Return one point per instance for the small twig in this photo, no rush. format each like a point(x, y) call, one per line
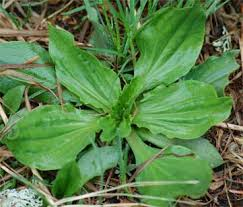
point(26, 99)
point(8, 4)
point(84, 30)
point(3, 115)
point(8, 176)
point(32, 60)
point(239, 192)
point(90, 187)
point(4, 67)
point(29, 79)
point(230, 126)
point(21, 11)
point(113, 205)
point(238, 75)
point(108, 178)
point(11, 23)
point(24, 33)
point(42, 186)
point(59, 93)
point(148, 197)
point(227, 195)
point(135, 184)
point(2, 40)
point(58, 11)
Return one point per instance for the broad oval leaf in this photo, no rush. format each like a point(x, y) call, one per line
point(201, 147)
point(17, 52)
point(215, 71)
point(204, 149)
point(176, 164)
point(81, 73)
point(183, 110)
point(13, 98)
point(51, 136)
point(170, 43)
point(96, 161)
point(68, 180)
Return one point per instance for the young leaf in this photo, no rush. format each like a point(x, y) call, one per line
point(176, 164)
point(96, 161)
point(68, 180)
point(82, 73)
point(215, 71)
point(124, 128)
point(51, 136)
point(111, 128)
point(201, 147)
point(119, 122)
point(17, 52)
point(13, 98)
point(169, 50)
point(183, 110)
point(127, 98)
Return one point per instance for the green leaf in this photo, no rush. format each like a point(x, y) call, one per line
point(183, 110)
point(7, 83)
point(112, 128)
point(127, 99)
point(17, 52)
point(215, 71)
point(92, 163)
point(13, 98)
point(170, 43)
point(109, 128)
point(68, 180)
point(96, 161)
point(204, 149)
point(82, 73)
point(201, 147)
point(124, 128)
point(118, 123)
point(51, 136)
point(175, 164)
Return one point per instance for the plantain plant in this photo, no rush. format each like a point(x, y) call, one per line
point(169, 103)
